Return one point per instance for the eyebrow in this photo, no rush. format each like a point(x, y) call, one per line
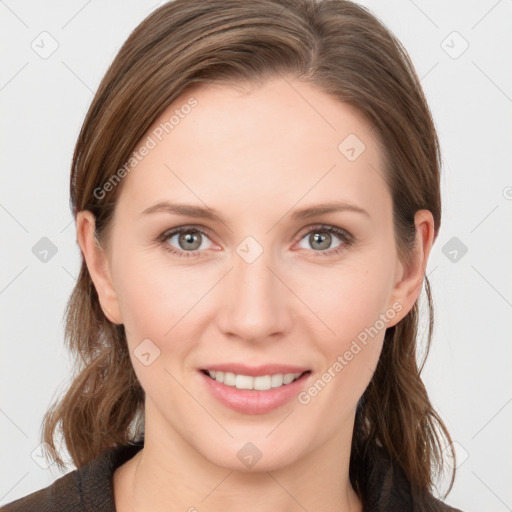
point(212, 214)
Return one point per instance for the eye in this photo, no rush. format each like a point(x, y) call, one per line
point(189, 239)
point(320, 239)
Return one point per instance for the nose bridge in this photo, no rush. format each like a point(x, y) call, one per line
point(255, 303)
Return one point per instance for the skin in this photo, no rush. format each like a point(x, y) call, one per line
point(255, 155)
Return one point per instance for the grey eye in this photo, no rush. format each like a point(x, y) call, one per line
point(320, 240)
point(188, 240)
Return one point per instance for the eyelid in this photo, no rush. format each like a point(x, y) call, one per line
point(324, 227)
point(209, 232)
point(345, 237)
point(192, 227)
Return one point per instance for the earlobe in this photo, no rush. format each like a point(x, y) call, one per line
point(98, 266)
point(409, 283)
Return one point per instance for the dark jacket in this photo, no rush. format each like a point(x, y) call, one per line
point(89, 489)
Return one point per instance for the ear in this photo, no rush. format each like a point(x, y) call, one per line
point(409, 279)
point(98, 265)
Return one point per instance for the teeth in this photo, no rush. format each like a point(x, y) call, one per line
point(244, 382)
point(260, 383)
point(229, 378)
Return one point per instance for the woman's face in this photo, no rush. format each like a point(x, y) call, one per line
point(268, 289)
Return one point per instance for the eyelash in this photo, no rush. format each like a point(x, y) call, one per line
point(344, 236)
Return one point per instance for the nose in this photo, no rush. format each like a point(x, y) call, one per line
point(255, 303)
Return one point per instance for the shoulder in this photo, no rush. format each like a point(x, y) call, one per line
point(385, 488)
point(444, 507)
point(436, 505)
point(64, 492)
point(87, 489)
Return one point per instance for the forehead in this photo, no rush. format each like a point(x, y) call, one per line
point(274, 144)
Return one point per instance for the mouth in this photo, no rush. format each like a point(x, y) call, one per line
point(260, 393)
point(254, 382)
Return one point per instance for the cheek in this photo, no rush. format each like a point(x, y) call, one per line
point(346, 300)
point(350, 353)
point(155, 295)
point(164, 303)
point(352, 304)
point(156, 305)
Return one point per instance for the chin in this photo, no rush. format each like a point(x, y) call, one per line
point(252, 454)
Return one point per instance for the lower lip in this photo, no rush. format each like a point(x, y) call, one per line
point(251, 401)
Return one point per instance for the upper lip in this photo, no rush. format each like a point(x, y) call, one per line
point(255, 371)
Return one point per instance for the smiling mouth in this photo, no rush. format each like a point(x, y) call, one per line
point(259, 383)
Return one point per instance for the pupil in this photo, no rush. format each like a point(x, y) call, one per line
point(189, 238)
point(319, 238)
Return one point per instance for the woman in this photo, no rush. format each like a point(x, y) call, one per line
point(256, 195)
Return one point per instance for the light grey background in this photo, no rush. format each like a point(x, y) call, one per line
point(44, 101)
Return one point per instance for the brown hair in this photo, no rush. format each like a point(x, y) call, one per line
point(343, 50)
